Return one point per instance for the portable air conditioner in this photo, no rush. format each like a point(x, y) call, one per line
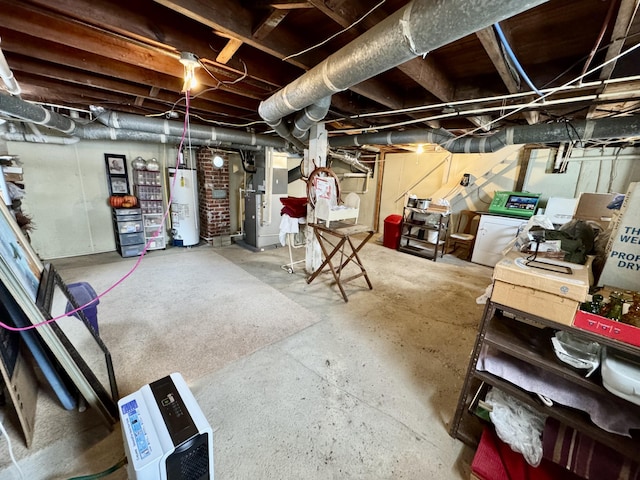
point(166, 435)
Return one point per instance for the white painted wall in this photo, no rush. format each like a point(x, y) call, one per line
point(437, 174)
point(67, 185)
point(410, 174)
point(67, 193)
point(604, 170)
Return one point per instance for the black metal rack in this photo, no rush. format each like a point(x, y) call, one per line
point(528, 338)
point(423, 232)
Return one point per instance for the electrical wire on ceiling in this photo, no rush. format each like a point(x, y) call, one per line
point(513, 58)
point(603, 29)
point(335, 34)
point(568, 124)
point(175, 112)
point(604, 47)
point(544, 89)
point(614, 170)
point(185, 136)
point(535, 102)
point(496, 98)
point(171, 111)
point(578, 78)
point(222, 82)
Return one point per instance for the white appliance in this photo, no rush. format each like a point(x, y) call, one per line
point(494, 234)
point(560, 210)
point(166, 435)
point(185, 221)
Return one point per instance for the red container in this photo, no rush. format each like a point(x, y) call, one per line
point(607, 327)
point(392, 228)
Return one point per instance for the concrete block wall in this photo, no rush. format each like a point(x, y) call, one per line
point(215, 217)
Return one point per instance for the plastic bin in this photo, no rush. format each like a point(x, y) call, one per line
point(83, 293)
point(392, 228)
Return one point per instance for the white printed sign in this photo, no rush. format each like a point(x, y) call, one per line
point(622, 267)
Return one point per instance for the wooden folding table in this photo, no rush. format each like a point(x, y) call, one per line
point(340, 239)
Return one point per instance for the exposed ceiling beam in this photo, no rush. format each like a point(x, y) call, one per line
point(491, 45)
point(233, 20)
point(230, 18)
point(90, 39)
point(109, 90)
point(229, 50)
point(91, 65)
point(177, 33)
point(626, 14)
point(269, 23)
point(281, 5)
point(423, 71)
point(289, 5)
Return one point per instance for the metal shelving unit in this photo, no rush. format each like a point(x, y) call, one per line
point(423, 232)
point(525, 337)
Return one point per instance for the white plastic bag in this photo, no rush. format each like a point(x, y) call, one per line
point(517, 424)
point(522, 238)
point(484, 298)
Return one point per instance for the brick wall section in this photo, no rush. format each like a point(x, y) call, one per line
point(215, 217)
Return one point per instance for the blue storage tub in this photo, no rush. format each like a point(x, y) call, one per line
point(83, 293)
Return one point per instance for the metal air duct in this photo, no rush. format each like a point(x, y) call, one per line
point(421, 26)
point(128, 127)
point(311, 115)
point(30, 112)
point(582, 130)
point(127, 121)
point(351, 160)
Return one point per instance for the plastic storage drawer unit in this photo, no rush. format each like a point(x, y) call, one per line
point(131, 250)
point(132, 238)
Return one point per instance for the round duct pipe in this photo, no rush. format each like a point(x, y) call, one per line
point(30, 112)
point(419, 27)
point(578, 130)
point(127, 121)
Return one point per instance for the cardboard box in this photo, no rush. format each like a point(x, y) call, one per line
point(536, 302)
point(13, 177)
point(607, 327)
point(512, 269)
point(593, 206)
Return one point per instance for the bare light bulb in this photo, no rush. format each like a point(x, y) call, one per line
point(190, 62)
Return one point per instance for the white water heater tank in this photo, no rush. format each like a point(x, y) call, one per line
point(185, 221)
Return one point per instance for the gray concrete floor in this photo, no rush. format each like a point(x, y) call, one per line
point(364, 389)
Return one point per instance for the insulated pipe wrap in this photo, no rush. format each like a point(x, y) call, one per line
point(98, 132)
point(128, 121)
point(33, 113)
point(578, 130)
